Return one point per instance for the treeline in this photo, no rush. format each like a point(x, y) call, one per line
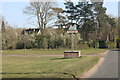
point(96, 28)
point(51, 39)
point(46, 41)
point(94, 25)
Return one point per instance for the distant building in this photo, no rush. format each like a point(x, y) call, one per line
point(31, 31)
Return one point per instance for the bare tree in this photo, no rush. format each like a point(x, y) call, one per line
point(42, 11)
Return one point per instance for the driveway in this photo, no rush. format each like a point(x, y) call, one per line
point(109, 68)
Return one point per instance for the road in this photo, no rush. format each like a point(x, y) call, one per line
point(109, 68)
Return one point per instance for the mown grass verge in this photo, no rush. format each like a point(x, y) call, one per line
point(47, 67)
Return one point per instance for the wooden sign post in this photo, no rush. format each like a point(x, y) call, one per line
point(72, 31)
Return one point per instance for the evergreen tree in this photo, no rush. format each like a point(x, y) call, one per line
point(86, 19)
point(70, 12)
point(3, 26)
point(100, 12)
point(61, 19)
point(81, 15)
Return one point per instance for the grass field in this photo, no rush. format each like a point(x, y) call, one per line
point(49, 52)
point(46, 67)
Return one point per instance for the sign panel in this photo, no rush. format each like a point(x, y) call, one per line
point(72, 31)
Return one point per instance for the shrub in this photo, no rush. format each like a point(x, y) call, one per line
point(102, 44)
point(111, 45)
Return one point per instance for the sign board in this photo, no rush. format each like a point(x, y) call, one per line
point(72, 31)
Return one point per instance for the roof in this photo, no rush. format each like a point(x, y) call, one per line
point(31, 30)
point(72, 28)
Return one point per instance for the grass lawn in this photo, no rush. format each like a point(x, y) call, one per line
point(50, 52)
point(46, 67)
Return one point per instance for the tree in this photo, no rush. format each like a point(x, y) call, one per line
point(100, 19)
point(2, 31)
point(113, 28)
point(26, 41)
point(87, 17)
point(42, 11)
point(3, 26)
point(9, 39)
point(81, 15)
point(70, 13)
point(61, 19)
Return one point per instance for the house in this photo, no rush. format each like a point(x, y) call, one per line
point(31, 31)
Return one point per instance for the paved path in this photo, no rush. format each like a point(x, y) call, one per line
point(109, 68)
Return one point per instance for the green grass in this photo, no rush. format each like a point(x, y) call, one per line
point(49, 52)
point(47, 67)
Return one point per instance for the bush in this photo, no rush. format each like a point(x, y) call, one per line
point(102, 44)
point(93, 44)
point(9, 39)
point(117, 42)
point(82, 46)
point(111, 45)
point(20, 45)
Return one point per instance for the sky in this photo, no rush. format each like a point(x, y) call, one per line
point(13, 12)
